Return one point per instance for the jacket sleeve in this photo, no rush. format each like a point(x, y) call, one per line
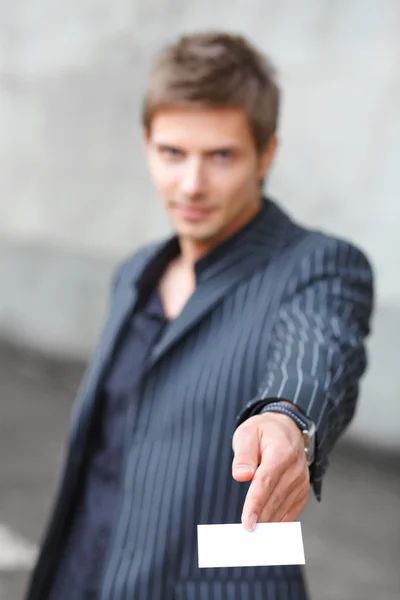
point(317, 353)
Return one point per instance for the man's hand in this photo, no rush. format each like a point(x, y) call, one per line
point(269, 450)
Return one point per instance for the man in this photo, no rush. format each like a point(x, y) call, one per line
point(243, 330)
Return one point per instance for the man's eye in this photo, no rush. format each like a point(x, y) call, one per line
point(223, 154)
point(170, 152)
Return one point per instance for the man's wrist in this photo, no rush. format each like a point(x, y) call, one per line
point(303, 423)
point(293, 431)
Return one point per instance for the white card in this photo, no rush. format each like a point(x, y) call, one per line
point(233, 546)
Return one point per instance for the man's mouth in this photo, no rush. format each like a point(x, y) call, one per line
point(192, 212)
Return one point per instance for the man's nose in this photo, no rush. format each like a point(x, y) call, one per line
point(193, 180)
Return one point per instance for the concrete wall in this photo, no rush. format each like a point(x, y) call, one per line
point(75, 195)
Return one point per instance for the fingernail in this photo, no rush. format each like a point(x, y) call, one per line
point(244, 468)
point(253, 521)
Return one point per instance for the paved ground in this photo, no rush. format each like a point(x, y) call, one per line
point(352, 539)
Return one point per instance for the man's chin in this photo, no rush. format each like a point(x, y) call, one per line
point(197, 234)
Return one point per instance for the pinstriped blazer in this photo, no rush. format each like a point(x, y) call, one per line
point(283, 314)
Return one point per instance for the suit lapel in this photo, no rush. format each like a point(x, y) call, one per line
point(254, 250)
point(123, 304)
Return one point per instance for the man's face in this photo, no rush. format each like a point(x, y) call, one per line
point(206, 169)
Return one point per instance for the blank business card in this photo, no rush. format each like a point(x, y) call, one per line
point(233, 546)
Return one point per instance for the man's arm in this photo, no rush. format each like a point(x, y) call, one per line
point(317, 354)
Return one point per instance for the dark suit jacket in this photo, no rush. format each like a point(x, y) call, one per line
point(282, 315)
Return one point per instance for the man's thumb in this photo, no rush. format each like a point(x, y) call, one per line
point(246, 448)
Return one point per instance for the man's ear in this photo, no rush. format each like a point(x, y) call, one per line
point(267, 156)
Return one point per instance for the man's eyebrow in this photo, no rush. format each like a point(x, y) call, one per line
point(223, 148)
point(161, 144)
point(228, 147)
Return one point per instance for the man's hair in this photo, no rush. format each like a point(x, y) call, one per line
point(215, 70)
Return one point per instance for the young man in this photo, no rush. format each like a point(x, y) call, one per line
point(242, 330)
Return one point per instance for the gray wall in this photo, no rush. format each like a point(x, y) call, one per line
point(75, 195)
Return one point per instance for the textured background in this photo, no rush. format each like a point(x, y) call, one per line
point(75, 197)
point(75, 194)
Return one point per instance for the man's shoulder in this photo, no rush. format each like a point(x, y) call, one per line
point(304, 242)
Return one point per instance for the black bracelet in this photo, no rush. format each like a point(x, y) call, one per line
point(280, 407)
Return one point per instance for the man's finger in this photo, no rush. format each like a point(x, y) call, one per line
point(296, 510)
point(294, 496)
point(274, 464)
point(246, 447)
point(298, 491)
point(280, 497)
point(259, 490)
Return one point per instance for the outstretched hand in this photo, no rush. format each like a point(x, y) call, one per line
point(269, 451)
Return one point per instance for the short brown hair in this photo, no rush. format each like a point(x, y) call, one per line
point(216, 70)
